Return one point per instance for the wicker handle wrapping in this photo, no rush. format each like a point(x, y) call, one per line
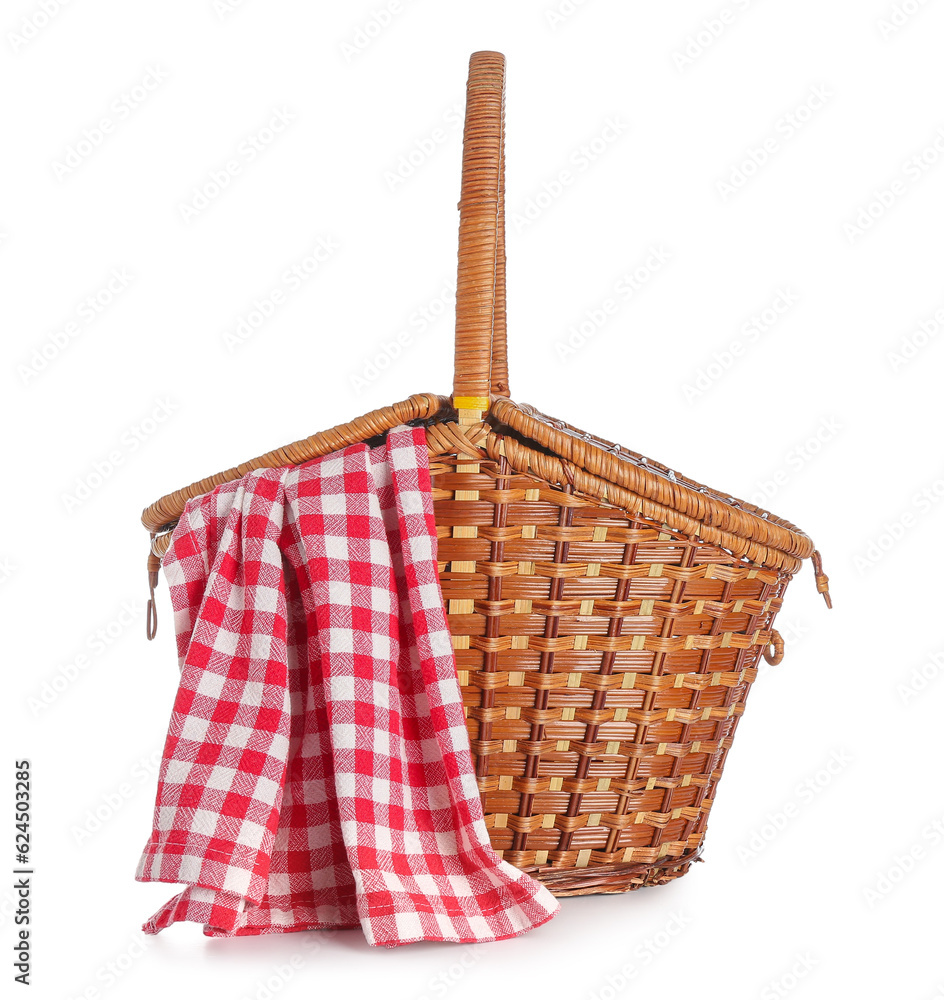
point(481, 349)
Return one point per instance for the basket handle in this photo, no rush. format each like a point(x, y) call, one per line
point(481, 366)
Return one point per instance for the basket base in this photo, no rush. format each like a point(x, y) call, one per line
point(608, 879)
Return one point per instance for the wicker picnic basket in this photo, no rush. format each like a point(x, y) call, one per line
point(608, 614)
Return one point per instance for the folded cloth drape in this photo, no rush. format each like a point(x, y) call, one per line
point(317, 771)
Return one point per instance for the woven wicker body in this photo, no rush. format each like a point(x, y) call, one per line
point(607, 613)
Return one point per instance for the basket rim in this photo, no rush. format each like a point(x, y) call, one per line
point(531, 442)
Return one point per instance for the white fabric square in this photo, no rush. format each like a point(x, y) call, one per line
point(382, 839)
point(381, 743)
point(340, 595)
point(266, 790)
point(343, 736)
point(204, 822)
point(237, 880)
point(260, 648)
point(336, 546)
point(421, 548)
point(341, 688)
point(252, 693)
point(238, 736)
point(380, 788)
point(194, 728)
point(176, 771)
point(221, 778)
point(341, 640)
point(408, 925)
point(250, 834)
point(211, 684)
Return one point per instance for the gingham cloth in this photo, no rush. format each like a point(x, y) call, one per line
point(317, 770)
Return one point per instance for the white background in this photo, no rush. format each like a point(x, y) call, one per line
point(823, 863)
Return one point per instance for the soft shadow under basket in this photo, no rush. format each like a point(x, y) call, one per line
point(607, 613)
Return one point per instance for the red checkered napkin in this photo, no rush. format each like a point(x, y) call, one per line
point(317, 770)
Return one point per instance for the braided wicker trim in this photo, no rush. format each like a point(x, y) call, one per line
point(554, 454)
point(550, 468)
point(164, 513)
point(653, 481)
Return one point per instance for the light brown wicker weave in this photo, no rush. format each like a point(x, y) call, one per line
point(607, 613)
